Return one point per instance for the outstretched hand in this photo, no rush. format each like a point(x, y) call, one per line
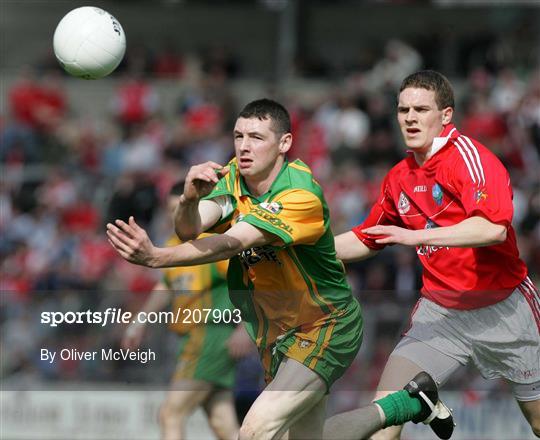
point(131, 242)
point(393, 235)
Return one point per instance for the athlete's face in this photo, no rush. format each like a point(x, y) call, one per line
point(259, 149)
point(420, 120)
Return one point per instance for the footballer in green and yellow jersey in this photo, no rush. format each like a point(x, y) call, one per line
point(293, 293)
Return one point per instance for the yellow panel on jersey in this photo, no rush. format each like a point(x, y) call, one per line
point(301, 222)
point(196, 288)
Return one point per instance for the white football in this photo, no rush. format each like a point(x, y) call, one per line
point(89, 42)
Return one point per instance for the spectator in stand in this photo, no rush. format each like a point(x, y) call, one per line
point(507, 91)
point(399, 60)
point(310, 141)
point(219, 60)
point(168, 63)
point(346, 126)
point(36, 109)
point(135, 101)
point(135, 194)
point(52, 103)
point(24, 99)
point(483, 123)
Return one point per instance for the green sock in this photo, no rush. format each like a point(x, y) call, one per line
point(399, 407)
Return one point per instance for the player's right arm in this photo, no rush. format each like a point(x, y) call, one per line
point(158, 300)
point(349, 248)
point(192, 215)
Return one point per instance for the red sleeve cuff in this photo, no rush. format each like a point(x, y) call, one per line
point(368, 240)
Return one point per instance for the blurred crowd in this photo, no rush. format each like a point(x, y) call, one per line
point(65, 175)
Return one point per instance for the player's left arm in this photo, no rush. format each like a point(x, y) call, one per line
point(133, 244)
point(472, 232)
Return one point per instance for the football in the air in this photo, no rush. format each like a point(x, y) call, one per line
point(89, 42)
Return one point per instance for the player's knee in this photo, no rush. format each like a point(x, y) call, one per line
point(247, 432)
point(172, 412)
point(164, 415)
point(260, 429)
point(222, 427)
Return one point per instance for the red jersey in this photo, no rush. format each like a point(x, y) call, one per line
point(461, 179)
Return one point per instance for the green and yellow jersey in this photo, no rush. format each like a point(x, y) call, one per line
point(295, 285)
point(196, 288)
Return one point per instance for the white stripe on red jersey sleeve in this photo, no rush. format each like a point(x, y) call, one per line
point(472, 159)
point(482, 182)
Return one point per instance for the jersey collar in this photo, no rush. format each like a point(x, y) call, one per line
point(448, 131)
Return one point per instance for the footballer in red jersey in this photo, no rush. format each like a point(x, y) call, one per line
point(462, 179)
point(451, 199)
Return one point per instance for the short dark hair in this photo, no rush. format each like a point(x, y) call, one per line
point(177, 189)
point(431, 80)
point(268, 109)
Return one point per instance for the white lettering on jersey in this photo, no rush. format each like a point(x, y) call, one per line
point(427, 251)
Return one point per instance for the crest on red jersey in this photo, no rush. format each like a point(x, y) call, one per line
point(480, 195)
point(437, 194)
point(403, 204)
